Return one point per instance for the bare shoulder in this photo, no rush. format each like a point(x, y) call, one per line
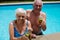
point(29, 26)
point(29, 10)
point(11, 25)
point(43, 13)
point(28, 21)
point(28, 13)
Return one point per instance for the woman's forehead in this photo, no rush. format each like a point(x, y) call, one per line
point(20, 14)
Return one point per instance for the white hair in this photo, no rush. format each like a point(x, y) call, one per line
point(20, 11)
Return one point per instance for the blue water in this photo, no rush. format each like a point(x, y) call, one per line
point(7, 14)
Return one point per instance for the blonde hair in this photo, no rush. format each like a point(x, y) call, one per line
point(20, 11)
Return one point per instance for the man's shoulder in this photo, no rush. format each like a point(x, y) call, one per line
point(43, 13)
point(29, 10)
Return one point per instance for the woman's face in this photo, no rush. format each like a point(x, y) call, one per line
point(20, 17)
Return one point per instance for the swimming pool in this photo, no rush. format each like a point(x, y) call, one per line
point(7, 14)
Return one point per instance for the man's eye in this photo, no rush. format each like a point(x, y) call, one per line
point(36, 5)
point(39, 5)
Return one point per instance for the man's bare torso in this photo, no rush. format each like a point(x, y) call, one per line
point(34, 22)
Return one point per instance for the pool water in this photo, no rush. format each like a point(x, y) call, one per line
point(7, 14)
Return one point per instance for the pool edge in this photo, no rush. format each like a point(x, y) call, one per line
point(28, 2)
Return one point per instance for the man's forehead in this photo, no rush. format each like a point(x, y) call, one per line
point(38, 2)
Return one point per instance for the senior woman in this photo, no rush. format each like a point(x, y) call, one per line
point(19, 27)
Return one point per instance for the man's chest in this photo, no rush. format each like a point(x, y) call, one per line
point(33, 19)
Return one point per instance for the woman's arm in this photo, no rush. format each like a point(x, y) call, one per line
point(30, 31)
point(11, 31)
point(29, 26)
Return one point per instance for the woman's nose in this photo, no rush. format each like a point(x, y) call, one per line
point(20, 17)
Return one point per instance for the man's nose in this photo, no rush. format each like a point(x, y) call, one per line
point(38, 7)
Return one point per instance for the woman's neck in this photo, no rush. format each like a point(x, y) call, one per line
point(20, 23)
point(20, 27)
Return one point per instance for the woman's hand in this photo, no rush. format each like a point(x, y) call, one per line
point(23, 38)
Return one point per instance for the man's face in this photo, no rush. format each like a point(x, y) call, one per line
point(38, 6)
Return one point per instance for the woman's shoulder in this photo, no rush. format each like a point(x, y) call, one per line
point(11, 25)
point(27, 22)
point(12, 22)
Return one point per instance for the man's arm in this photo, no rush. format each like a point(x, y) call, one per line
point(28, 14)
point(43, 24)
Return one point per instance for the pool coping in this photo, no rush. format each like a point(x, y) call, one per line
point(28, 2)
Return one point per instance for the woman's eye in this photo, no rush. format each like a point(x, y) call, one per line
point(22, 16)
point(18, 16)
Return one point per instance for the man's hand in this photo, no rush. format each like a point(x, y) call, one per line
point(40, 21)
point(43, 25)
point(33, 35)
